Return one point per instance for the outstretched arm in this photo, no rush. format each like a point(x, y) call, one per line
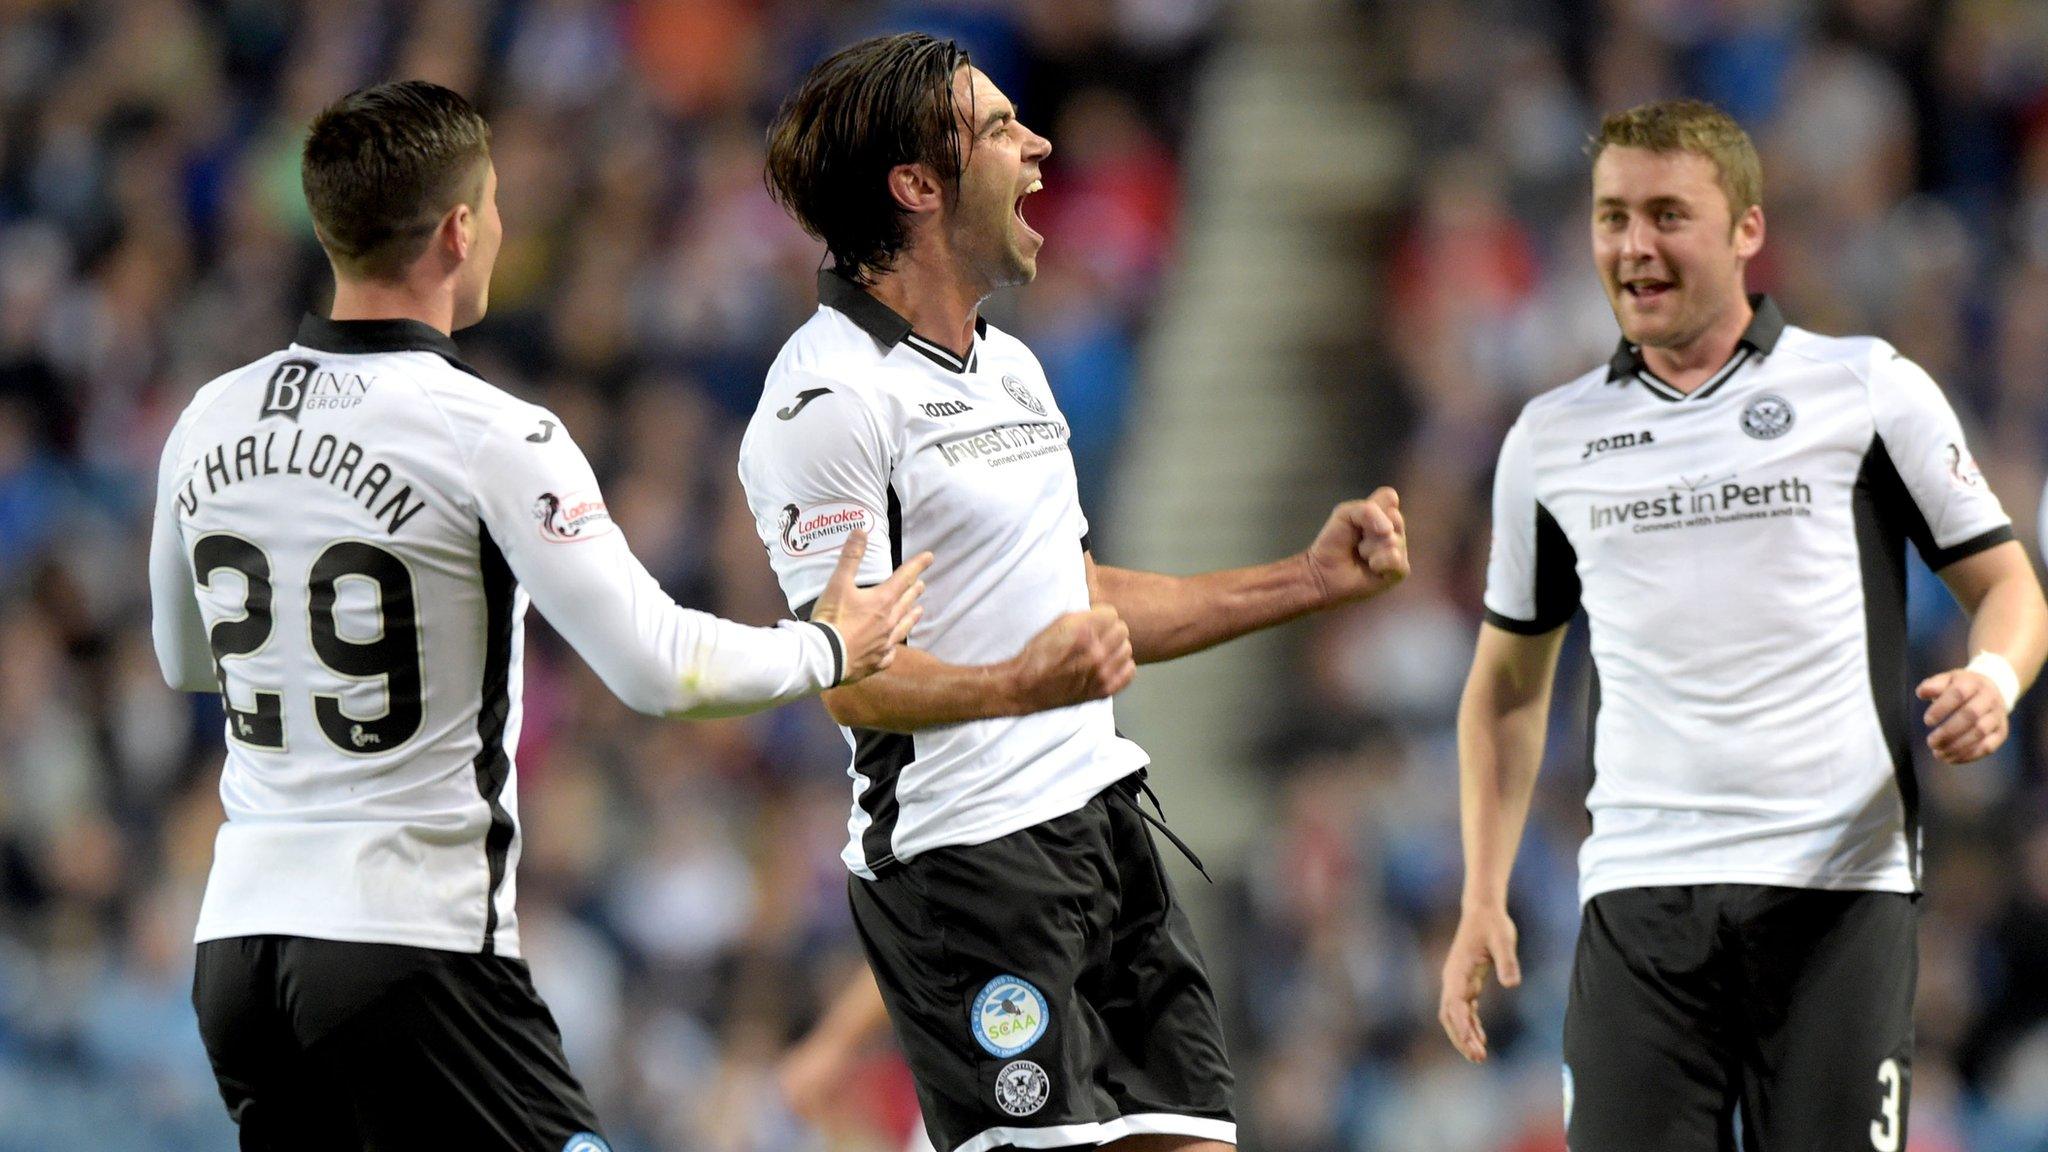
point(541, 508)
point(1361, 551)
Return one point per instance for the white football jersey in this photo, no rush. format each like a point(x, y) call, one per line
point(864, 423)
point(1740, 554)
point(347, 534)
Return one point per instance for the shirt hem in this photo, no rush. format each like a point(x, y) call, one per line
point(1031, 817)
point(1889, 880)
point(467, 943)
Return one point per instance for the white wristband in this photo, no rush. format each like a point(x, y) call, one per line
point(1998, 670)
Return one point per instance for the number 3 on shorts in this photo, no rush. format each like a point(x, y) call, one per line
point(1884, 1131)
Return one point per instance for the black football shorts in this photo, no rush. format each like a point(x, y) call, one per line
point(1046, 988)
point(321, 1045)
point(1786, 1013)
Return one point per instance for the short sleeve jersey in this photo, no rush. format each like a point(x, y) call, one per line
point(347, 535)
point(1740, 555)
point(863, 423)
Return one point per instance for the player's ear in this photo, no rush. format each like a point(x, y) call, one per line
point(455, 235)
point(916, 188)
point(1749, 232)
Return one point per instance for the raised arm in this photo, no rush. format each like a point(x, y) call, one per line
point(1501, 723)
point(1361, 551)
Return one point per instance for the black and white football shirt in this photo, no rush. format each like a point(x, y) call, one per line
point(347, 534)
point(1740, 554)
point(862, 423)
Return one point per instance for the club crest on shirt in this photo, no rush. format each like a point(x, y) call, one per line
point(820, 527)
point(571, 519)
point(1009, 1016)
point(586, 1142)
point(1022, 1088)
point(1767, 417)
point(1023, 395)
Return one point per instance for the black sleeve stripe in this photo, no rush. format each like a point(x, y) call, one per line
point(1895, 501)
point(1943, 557)
point(895, 529)
point(838, 651)
point(1889, 489)
point(1518, 627)
point(1557, 573)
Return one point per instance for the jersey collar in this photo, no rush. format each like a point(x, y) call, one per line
point(888, 327)
point(368, 337)
point(1766, 325)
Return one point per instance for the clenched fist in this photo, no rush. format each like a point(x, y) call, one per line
point(1362, 549)
point(1079, 657)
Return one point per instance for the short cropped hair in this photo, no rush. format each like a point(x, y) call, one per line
point(382, 166)
point(1693, 126)
point(859, 113)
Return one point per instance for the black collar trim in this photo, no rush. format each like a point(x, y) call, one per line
point(1663, 391)
point(369, 337)
point(1765, 327)
point(887, 326)
point(939, 354)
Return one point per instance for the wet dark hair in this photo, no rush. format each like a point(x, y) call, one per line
point(859, 113)
point(382, 166)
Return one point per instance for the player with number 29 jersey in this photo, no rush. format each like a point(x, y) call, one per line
point(347, 536)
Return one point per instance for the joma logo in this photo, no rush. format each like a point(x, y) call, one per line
point(1616, 442)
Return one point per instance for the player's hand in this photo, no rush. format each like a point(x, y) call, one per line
point(1362, 549)
point(1079, 657)
point(1485, 942)
point(872, 622)
point(1967, 715)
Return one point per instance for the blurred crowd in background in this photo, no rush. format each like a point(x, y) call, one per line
point(681, 899)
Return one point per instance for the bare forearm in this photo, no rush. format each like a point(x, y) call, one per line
point(1498, 758)
point(2012, 622)
point(1501, 723)
point(920, 691)
point(1171, 616)
point(1999, 591)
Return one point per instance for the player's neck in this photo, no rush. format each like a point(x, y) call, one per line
point(1689, 365)
point(378, 300)
point(939, 301)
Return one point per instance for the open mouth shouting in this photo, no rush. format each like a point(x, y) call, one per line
point(1017, 209)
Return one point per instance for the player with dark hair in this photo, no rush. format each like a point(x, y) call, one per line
point(1729, 500)
point(1041, 977)
point(347, 535)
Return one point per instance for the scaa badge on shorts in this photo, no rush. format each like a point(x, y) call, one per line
point(1008, 1016)
point(1022, 1088)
